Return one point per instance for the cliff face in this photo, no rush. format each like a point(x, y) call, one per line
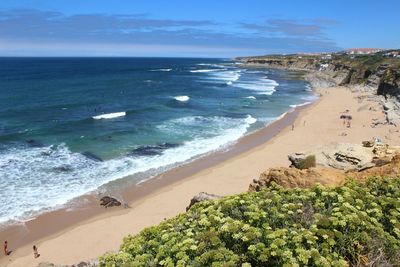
point(375, 72)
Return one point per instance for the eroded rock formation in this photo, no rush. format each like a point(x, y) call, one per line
point(201, 197)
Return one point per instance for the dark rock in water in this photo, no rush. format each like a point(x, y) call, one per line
point(151, 150)
point(108, 202)
point(91, 156)
point(202, 196)
point(63, 168)
point(34, 143)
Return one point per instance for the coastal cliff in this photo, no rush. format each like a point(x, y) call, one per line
point(378, 73)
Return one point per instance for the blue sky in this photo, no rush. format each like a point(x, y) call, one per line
point(189, 28)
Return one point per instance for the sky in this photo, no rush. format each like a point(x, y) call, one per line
point(188, 28)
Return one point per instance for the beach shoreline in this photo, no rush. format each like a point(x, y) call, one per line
point(317, 124)
point(86, 208)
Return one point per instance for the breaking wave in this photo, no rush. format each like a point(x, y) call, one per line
point(39, 176)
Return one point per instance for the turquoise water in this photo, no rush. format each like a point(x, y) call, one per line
point(69, 125)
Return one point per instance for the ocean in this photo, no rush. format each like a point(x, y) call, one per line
point(71, 125)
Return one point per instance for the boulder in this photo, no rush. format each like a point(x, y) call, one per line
point(202, 196)
point(46, 264)
point(368, 143)
point(82, 264)
point(108, 202)
point(92, 263)
point(296, 159)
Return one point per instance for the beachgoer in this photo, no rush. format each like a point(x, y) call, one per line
point(35, 252)
point(304, 123)
point(6, 252)
point(292, 127)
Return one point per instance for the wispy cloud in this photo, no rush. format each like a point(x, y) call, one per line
point(24, 31)
point(35, 23)
point(310, 28)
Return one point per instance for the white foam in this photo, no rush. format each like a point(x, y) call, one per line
point(229, 76)
point(109, 115)
point(251, 97)
point(211, 65)
point(161, 70)
point(310, 98)
point(300, 105)
point(38, 177)
point(182, 98)
point(250, 120)
point(262, 86)
point(205, 70)
point(229, 83)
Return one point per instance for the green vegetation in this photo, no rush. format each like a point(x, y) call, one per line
point(355, 224)
point(307, 162)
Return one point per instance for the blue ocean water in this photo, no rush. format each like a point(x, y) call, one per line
point(70, 125)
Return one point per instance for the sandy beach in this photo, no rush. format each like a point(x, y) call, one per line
point(315, 125)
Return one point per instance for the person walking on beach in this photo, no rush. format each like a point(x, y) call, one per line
point(35, 252)
point(6, 252)
point(292, 127)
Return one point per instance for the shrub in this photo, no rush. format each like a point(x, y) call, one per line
point(307, 162)
point(354, 224)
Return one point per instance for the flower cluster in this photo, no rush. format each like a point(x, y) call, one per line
point(354, 224)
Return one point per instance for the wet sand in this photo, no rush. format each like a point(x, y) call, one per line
point(67, 237)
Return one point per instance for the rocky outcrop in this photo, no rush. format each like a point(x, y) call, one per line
point(108, 202)
point(202, 196)
point(341, 156)
point(389, 82)
point(389, 168)
point(376, 72)
point(349, 157)
point(295, 178)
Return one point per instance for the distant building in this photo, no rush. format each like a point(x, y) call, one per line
point(363, 51)
point(327, 56)
point(394, 54)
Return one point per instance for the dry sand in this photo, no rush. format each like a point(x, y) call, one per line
point(316, 125)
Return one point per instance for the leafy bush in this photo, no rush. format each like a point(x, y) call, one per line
point(307, 162)
point(354, 224)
